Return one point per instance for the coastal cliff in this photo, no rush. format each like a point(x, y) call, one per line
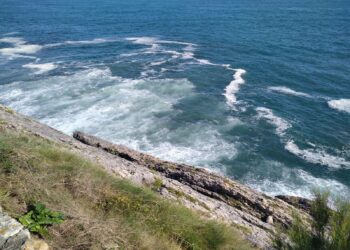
point(255, 215)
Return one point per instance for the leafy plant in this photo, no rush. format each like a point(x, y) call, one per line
point(39, 218)
point(330, 229)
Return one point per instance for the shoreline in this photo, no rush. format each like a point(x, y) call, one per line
point(214, 196)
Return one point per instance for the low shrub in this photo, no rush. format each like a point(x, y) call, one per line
point(328, 230)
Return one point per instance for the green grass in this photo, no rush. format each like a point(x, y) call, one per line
point(329, 229)
point(101, 211)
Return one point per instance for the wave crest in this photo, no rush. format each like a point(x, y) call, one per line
point(131, 112)
point(40, 68)
point(312, 155)
point(20, 48)
point(233, 87)
point(340, 105)
point(288, 91)
point(280, 124)
point(317, 156)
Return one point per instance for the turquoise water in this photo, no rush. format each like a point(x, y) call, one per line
point(256, 90)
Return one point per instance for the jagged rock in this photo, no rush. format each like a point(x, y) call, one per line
point(298, 202)
point(35, 244)
point(207, 183)
point(12, 233)
point(225, 198)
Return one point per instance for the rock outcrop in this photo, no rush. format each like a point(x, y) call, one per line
point(298, 202)
point(209, 184)
point(225, 199)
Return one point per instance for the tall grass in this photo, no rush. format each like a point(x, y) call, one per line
point(328, 230)
point(101, 211)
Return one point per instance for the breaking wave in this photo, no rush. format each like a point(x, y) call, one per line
point(40, 68)
point(233, 87)
point(280, 180)
point(340, 105)
point(146, 40)
point(312, 155)
point(280, 124)
point(82, 42)
point(288, 91)
point(20, 48)
point(317, 156)
point(125, 111)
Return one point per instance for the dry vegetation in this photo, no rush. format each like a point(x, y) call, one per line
point(101, 211)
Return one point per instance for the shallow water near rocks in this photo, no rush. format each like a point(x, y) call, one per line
point(258, 91)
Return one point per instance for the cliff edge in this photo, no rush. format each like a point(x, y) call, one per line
point(254, 214)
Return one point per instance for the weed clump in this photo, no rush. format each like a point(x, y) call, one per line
point(39, 218)
point(329, 229)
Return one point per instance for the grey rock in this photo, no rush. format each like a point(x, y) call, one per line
point(12, 233)
point(269, 219)
point(298, 202)
point(231, 201)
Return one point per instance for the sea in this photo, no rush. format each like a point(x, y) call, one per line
point(258, 91)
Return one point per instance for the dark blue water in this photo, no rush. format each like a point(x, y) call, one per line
point(256, 90)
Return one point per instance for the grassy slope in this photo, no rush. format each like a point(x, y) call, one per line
point(101, 211)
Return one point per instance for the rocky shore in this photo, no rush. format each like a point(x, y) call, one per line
point(255, 214)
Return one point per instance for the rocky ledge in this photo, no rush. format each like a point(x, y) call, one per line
point(214, 196)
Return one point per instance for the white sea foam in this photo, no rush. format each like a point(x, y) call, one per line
point(186, 53)
point(288, 91)
point(12, 40)
point(280, 124)
point(158, 46)
point(143, 40)
point(203, 145)
point(130, 111)
point(280, 180)
point(340, 105)
point(157, 63)
point(146, 40)
point(81, 42)
point(20, 48)
point(313, 155)
point(233, 87)
point(205, 62)
point(317, 156)
point(93, 41)
point(11, 33)
point(40, 68)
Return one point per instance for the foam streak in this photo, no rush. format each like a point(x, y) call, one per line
point(233, 87)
